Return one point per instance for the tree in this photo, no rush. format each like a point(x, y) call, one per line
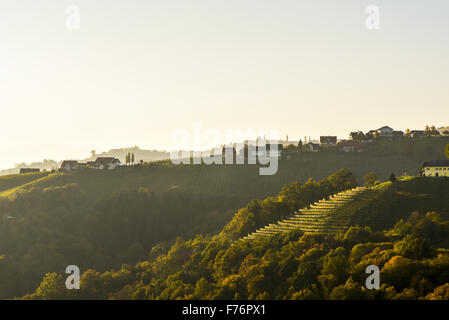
point(427, 131)
point(447, 151)
point(132, 158)
point(413, 248)
point(351, 290)
point(290, 149)
point(371, 179)
point(446, 132)
point(392, 177)
point(407, 132)
point(440, 293)
point(52, 287)
point(300, 145)
point(434, 131)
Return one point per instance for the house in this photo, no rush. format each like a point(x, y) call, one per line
point(435, 168)
point(328, 140)
point(69, 165)
point(385, 131)
point(417, 134)
point(398, 134)
point(312, 147)
point(29, 170)
point(357, 136)
point(107, 163)
point(370, 135)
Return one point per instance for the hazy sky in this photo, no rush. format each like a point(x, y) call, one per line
point(136, 70)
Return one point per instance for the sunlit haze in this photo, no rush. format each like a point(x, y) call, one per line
point(137, 70)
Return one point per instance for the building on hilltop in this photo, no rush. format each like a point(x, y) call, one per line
point(328, 140)
point(357, 136)
point(101, 163)
point(435, 168)
point(69, 165)
point(312, 147)
point(107, 163)
point(417, 134)
point(370, 135)
point(385, 131)
point(29, 170)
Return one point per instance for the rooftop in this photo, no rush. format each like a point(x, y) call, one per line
point(436, 163)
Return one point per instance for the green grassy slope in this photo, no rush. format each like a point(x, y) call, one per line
point(390, 201)
point(16, 180)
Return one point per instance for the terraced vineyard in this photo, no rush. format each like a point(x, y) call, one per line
point(327, 216)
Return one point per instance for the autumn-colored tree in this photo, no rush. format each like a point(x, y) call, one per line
point(51, 287)
point(371, 179)
point(407, 132)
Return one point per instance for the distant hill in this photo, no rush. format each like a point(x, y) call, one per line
point(139, 154)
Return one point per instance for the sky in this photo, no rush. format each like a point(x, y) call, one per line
point(135, 71)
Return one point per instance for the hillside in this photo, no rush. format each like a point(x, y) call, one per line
point(14, 181)
point(412, 255)
point(378, 207)
point(139, 154)
point(103, 219)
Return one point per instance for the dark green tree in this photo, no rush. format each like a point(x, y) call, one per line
point(392, 177)
point(371, 179)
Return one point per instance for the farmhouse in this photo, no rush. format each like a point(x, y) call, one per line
point(435, 168)
point(385, 131)
point(417, 134)
point(328, 140)
point(312, 147)
point(370, 135)
point(357, 136)
point(69, 165)
point(29, 170)
point(107, 163)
